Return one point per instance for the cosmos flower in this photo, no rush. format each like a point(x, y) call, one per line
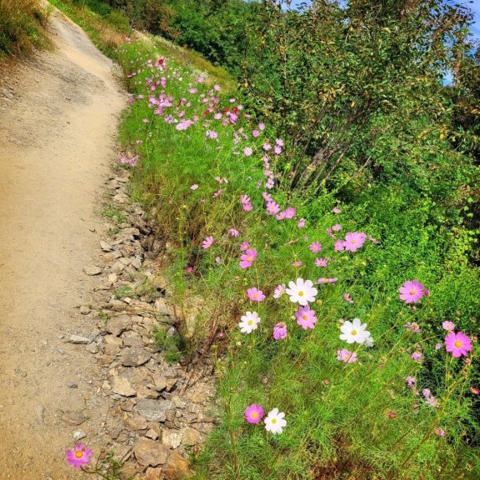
point(354, 241)
point(249, 322)
point(346, 356)
point(79, 455)
point(253, 414)
point(301, 291)
point(315, 247)
point(275, 421)
point(207, 243)
point(458, 344)
point(354, 331)
point(306, 317)
point(412, 291)
point(255, 295)
point(280, 331)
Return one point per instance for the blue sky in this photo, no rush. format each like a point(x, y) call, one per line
point(473, 4)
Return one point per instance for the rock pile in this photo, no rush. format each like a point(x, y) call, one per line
point(159, 411)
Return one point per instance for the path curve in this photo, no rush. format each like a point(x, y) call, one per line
point(58, 117)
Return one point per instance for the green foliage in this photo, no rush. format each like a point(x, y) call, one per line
point(22, 25)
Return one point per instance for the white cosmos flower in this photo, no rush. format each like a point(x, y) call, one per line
point(368, 342)
point(275, 421)
point(301, 291)
point(249, 322)
point(354, 331)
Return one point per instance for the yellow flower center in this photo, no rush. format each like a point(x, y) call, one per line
point(79, 454)
point(458, 343)
point(354, 332)
point(250, 322)
point(274, 421)
point(254, 415)
point(305, 316)
point(413, 291)
point(300, 293)
point(249, 259)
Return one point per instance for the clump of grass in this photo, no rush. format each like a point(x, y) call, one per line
point(114, 213)
point(170, 343)
point(22, 26)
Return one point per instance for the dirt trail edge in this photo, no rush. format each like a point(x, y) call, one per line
point(58, 117)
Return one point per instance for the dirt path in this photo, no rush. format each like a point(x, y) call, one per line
point(58, 116)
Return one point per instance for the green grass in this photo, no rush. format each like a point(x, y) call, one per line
point(345, 421)
point(22, 27)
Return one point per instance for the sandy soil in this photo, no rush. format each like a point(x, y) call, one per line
point(58, 116)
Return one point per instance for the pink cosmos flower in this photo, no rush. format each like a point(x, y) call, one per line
point(439, 432)
point(279, 291)
point(315, 247)
point(458, 344)
point(336, 210)
point(354, 241)
point(339, 246)
point(336, 228)
point(255, 295)
point(301, 223)
point(212, 134)
point(267, 146)
point(277, 150)
point(297, 263)
point(207, 243)
point(280, 331)
point(261, 126)
point(194, 186)
point(347, 297)
point(321, 262)
point(306, 317)
point(410, 381)
point(79, 455)
point(412, 291)
point(448, 326)
point(417, 356)
point(246, 203)
point(233, 232)
point(346, 356)
point(247, 259)
point(438, 346)
point(255, 134)
point(253, 414)
point(290, 212)
point(323, 280)
point(429, 398)
point(244, 246)
point(273, 208)
point(247, 151)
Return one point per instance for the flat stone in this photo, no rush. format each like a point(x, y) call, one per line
point(132, 357)
point(176, 468)
point(106, 247)
point(160, 382)
point(78, 435)
point(92, 270)
point(191, 437)
point(154, 474)
point(78, 340)
point(112, 344)
point(171, 438)
point(85, 310)
point(117, 325)
point(74, 417)
point(136, 422)
point(150, 453)
point(152, 434)
point(154, 410)
point(121, 386)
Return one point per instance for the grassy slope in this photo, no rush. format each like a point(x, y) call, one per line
point(22, 25)
point(344, 421)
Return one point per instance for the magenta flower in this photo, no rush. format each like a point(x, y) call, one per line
point(280, 331)
point(306, 317)
point(412, 291)
point(315, 247)
point(247, 259)
point(255, 295)
point(336, 228)
point(413, 327)
point(207, 243)
point(439, 432)
point(354, 241)
point(279, 291)
point(290, 212)
point(429, 398)
point(448, 326)
point(79, 455)
point(233, 232)
point(212, 134)
point(336, 210)
point(321, 262)
point(272, 208)
point(458, 344)
point(255, 133)
point(253, 414)
point(301, 223)
point(323, 280)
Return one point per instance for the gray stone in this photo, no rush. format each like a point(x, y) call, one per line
point(133, 357)
point(78, 340)
point(92, 270)
point(154, 410)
